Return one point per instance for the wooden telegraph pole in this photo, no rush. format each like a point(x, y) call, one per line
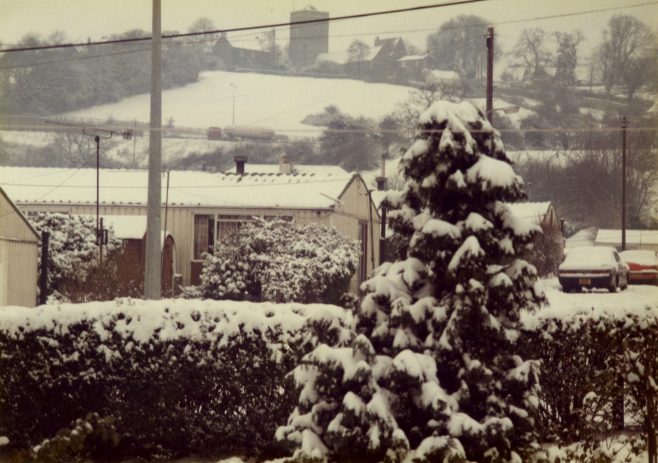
point(490, 57)
point(153, 248)
point(623, 183)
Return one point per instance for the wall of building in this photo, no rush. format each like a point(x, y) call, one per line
point(352, 219)
point(349, 217)
point(19, 251)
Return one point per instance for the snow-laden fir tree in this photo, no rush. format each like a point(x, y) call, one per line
point(433, 374)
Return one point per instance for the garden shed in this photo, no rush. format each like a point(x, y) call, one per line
point(19, 252)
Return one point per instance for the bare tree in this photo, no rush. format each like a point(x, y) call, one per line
point(567, 56)
point(626, 39)
point(357, 53)
point(204, 25)
point(458, 45)
point(531, 50)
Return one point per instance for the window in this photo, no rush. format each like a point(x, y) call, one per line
point(212, 228)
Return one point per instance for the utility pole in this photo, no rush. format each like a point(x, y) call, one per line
point(381, 186)
point(99, 222)
point(490, 57)
point(623, 183)
point(152, 271)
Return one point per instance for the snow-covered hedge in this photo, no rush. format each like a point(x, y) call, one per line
point(599, 364)
point(280, 261)
point(175, 376)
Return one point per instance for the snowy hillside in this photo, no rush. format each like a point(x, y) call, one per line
point(279, 102)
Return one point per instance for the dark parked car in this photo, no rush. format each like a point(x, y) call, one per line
point(643, 266)
point(593, 267)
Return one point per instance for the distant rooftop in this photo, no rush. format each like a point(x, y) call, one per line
point(31, 185)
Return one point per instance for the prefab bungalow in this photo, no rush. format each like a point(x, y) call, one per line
point(19, 252)
point(203, 207)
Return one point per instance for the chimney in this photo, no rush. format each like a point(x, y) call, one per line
point(285, 166)
point(240, 161)
point(381, 183)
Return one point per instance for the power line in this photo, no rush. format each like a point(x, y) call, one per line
point(247, 28)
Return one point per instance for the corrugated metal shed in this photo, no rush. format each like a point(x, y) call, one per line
point(19, 247)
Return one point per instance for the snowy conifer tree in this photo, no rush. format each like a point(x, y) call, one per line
point(434, 369)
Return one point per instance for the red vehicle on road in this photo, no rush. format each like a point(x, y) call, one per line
point(643, 266)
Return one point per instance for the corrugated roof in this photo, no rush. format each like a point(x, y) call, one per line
point(251, 168)
point(190, 188)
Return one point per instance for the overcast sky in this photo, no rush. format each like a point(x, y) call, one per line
point(95, 19)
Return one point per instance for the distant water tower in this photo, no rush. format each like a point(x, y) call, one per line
point(307, 41)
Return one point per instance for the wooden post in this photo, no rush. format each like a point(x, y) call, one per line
point(43, 276)
point(623, 183)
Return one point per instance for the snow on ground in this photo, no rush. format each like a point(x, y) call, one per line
point(279, 102)
point(641, 300)
point(27, 138)
point(499, 104)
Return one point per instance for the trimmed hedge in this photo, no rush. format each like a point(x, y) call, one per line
point(598, 368)
point(176, 377)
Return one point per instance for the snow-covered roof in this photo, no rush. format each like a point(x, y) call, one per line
point(443, 76)
point(250, 168)
point(584, 237)
point(633, 237)
point(415, 58)
point(340, 57)
point(374, 51)
point(187, 188)
point(533, 212)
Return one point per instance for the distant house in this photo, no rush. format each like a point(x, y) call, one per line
point(441, 77)
point(539, 213)
point(19, 252)
point(635, 239)
point(205, 207)
point(383, 57)
point(234, 57)
point(414, 67)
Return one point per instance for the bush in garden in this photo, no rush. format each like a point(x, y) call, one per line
point(435, 374)
point(280, 261)
point(176, 377)
point(585, 357)
point(73, 257)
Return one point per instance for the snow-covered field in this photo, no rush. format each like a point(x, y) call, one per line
point(279, 102)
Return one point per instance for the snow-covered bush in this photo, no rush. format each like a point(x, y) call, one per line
point(435, 374)
point(175, 377)
point(599, 368)
point(280, 261)
point(73, 270)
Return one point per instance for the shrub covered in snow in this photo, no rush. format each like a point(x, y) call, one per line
point(280, 261)
point(435, 374)
point(586, 356)
point(73, 272)
point(175, 377)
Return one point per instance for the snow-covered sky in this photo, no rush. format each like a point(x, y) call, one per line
point(95, 19)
